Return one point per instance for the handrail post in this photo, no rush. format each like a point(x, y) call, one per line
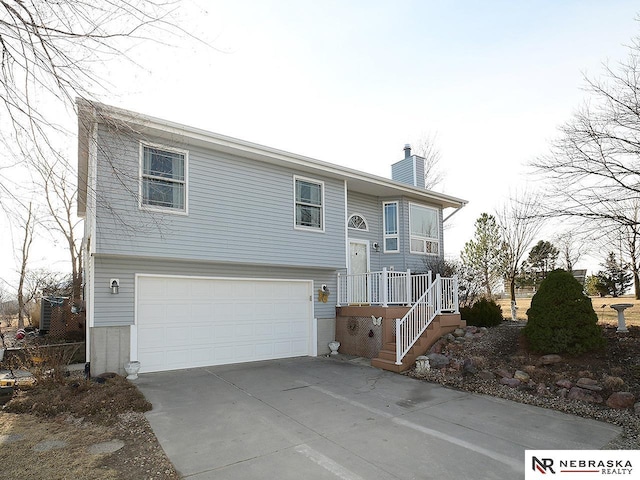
point(455, 294)
point(398, 343)
point(438, 294)
point(384, 286)
point(409, 296)
point(339, 292)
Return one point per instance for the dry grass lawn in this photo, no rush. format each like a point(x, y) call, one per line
point(82, 414)
point(21, 433)
point(601, 305)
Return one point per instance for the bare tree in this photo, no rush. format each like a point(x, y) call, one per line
point(60, 197)
point(519, 225)
point(49, 54)
point(625, 239)
point(28, 227)
point(593, 168)
point(572, 248)
point(427, 148)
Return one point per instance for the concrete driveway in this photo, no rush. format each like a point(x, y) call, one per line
point(322, 418)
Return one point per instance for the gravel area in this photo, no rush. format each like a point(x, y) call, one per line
point(480, 359)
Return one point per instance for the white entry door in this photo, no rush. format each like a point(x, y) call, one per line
point(184, 322)
point(358, 285)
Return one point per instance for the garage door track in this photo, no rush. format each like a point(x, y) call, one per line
point(322, 418)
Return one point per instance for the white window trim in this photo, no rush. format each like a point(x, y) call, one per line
point(419, 237)
point(384, 227)
point(154, 208)
point(366, 224)
point(322, 220)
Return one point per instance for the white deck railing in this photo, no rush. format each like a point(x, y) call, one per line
point(383, 288)
point(440, 297)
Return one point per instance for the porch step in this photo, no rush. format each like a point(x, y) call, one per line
point(389, 365)
point(440, 326)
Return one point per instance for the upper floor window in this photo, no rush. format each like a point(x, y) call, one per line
point(423, 226)
point(163, 178)
point(390, 220)
point(357, 222)
point(309, 207)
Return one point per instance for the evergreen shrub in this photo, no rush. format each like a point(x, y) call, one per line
point(483, 313)
point(561, 318)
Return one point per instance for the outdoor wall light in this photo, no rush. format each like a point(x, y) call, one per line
point(376, 246)
point(114, 283)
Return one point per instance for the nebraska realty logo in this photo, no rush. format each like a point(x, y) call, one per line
point(581, 464)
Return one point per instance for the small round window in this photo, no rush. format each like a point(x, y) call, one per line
point(357, 222)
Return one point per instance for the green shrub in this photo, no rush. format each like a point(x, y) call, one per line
point(483, 313)
point(561, 318)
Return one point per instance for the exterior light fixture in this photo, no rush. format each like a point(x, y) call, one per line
point(114, 283)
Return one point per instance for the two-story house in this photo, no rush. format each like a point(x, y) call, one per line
point(201, 249)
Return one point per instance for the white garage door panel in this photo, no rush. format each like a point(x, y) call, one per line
point(186, 322)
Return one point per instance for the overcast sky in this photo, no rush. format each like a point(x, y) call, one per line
point(350, 82)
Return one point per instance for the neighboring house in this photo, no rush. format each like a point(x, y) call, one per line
point(201, 249)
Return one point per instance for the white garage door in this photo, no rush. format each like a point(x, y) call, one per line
point(193, 322)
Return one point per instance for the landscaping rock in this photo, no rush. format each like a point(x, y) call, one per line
point(541, 389)
point(550, 359)
point(562, 393)
point(11, 438)
point(564, 383)
point(436, 347)
point(621, 400)
point(47, 445)
point(522, 376)
point(510, 382)
point(577, 393)
point(636, 408)
point(504, 373)
point(589, 384)
point(484, 330)
point(449, 337)
point(458, 332)
point(614, 384)
point(437, 360)
point(455, 366)
point(106, 447)
point(469, 366)
point(486, 375)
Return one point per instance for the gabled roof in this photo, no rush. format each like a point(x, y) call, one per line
point(357, 181)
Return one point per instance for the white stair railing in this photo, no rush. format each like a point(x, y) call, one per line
point(441, 296)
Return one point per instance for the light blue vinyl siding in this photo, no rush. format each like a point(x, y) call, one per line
point(372, 207)
point(402, 171)
point(410, 171)
point(239, 210)
point(118, 310)
point(369, 207)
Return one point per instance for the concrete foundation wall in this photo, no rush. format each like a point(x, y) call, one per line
point(109, 349)
point(326, 334)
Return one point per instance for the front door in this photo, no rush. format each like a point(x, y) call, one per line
point(358, 285)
